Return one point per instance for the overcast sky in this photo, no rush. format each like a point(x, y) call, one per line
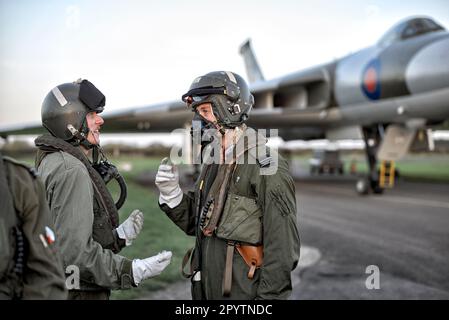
point(144, 52)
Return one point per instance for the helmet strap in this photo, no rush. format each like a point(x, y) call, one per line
point(80, 138)
point(221, 127)
point(95, 154)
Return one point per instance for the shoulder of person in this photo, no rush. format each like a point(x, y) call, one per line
point(276, 173)
point(16, 164)
point(65, 160)
point(271, 157)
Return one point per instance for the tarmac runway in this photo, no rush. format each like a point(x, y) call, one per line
point(404, 232)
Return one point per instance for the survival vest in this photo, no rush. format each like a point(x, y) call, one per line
point(233, 218)
point(105, 213)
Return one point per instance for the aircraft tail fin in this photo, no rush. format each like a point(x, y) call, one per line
point(252, 67)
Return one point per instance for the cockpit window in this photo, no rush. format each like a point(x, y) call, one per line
point(419, 26)
point(409, 29)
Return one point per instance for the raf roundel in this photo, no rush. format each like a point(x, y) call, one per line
point(371, 80)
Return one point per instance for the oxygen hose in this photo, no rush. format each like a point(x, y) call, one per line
point(123, 191)
point(108, 171)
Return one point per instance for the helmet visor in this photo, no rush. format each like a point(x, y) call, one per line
point(91, 96)
point(195, 96)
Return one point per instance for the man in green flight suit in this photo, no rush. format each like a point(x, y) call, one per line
point(243, 208)
point(84, 213)
point(30, 266)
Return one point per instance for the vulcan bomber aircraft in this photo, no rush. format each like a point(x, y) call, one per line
point(386, 94)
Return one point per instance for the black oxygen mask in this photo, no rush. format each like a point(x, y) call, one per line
point(202, 130)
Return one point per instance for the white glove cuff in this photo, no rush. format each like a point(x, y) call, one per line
point(173, 200)
point(137, 272)
point(121, 234)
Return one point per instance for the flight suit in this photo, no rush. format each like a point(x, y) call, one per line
point(261, 209)
point(88, 238)
point(30, 266)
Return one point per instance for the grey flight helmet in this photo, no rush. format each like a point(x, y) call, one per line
point(68, 104)
point(227, 92)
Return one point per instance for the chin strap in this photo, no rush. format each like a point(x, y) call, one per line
point(81, 136)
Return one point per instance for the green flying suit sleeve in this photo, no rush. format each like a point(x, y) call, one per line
point(71, 201)
point(183, 215)
point(276, 194)
point(43, 277)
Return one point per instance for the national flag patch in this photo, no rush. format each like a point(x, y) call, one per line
point(49, 235)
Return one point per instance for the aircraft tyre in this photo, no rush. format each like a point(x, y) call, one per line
point(362, 187)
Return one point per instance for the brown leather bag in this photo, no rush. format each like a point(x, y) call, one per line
point(253, 257)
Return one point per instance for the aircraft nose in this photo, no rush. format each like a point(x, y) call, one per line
point(429, 69)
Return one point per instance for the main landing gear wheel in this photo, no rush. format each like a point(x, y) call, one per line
point(362, 186)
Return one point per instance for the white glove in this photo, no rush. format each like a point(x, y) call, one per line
point(167, 181)
point(130, 229)
point(150, 267)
